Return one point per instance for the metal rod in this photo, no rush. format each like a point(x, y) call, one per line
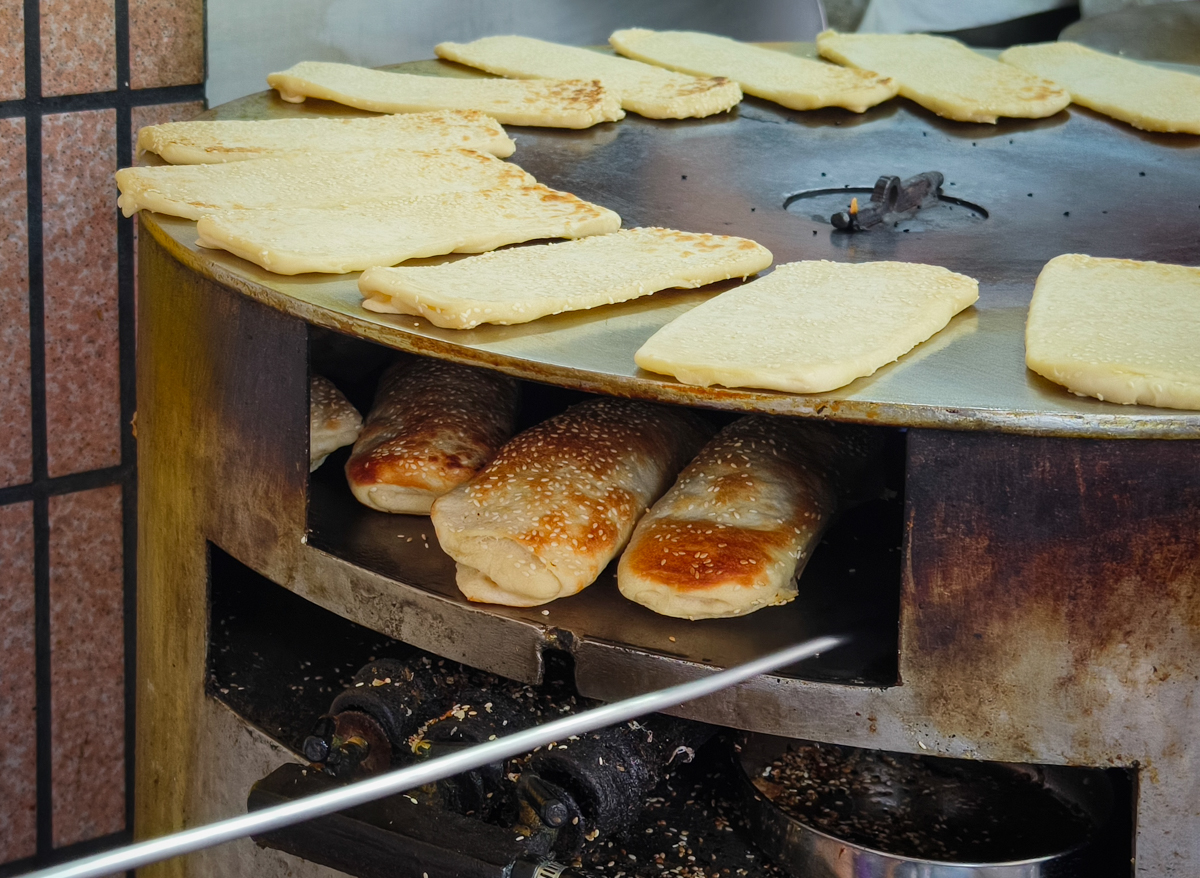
point(279, 816)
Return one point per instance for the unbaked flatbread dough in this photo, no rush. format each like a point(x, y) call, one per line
point(233, 140)
point(525, 283)
point(1118, 330)
point(311, 180)
point(740, 523)
point(946, 77)
point(386, 233)
point(644, 89)
point(559, 501)
point(575, 103)
point(808, 327)
point(333, 421)
point(433, 424)
point(1146, 97)
point(796, 83)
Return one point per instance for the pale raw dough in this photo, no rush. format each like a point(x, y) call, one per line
point(740, 523)
point(386, 233)
point(1118, 330)
point(559, 501)
point(333, 421)
point(311, 180)
point(1146, 97)
point(946, 77)
point(796, 83)
point(574, 103)
point(432, 425)
point(644, 89)
point(524, 283)
point(233, 140)
point(809, 327)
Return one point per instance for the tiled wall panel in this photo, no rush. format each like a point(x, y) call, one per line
point(83, 395)
point(12, 50)
point(79, 46)
point(169, 36)
point(66, 389)
point(16, 443)
point(87, 665)
point(18, 692)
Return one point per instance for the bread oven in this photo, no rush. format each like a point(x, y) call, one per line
point(1026, 590)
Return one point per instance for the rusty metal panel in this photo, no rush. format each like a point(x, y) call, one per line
point(1051, 611)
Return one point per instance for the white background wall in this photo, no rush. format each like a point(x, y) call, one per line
point(247, 39)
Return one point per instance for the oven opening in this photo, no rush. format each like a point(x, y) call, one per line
point(661, 795)
point(851, 583)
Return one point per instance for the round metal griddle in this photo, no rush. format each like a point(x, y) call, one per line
point(1076, 182)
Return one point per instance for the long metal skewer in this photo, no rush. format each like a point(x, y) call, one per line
point(278, 816)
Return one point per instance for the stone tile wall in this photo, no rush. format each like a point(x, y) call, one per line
point(77, 77)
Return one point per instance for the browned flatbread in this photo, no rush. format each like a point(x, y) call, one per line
point(738, 526)
point(432, 426)
point(333, 421)
point(559, 501)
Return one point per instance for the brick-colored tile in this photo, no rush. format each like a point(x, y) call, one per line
point(87, 679)
point(79, 46)
point(18, 686)
point(166, 42)
point(12, 50)
point(16, 443)
point(83, 399)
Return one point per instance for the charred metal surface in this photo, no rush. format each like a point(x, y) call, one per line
point(391, 838)
point(1052, 611)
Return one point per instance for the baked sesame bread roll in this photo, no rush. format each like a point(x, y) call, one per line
point(432, 426)
point(333, 421)
point(734, 532)
point(559, 501)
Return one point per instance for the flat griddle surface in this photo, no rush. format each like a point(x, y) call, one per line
point(1076, 182)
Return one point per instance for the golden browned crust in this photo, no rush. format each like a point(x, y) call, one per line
point(740, 522)
point(559, 501)
point(433, 425)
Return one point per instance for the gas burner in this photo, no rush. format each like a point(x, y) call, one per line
point(915, 204)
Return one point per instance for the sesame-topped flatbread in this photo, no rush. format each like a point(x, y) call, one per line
point(543, 519)
point(433, 424)
point(946, 77)
point(235, 140)
point(553, 103)
point(339, 240)
point(809, 326)
point(736, 529)
point(642, 88)
point(333, 421)
point(1146, 97)
point(312, 180)
point(1117, 329)
point(524, 283)
point(796, 83)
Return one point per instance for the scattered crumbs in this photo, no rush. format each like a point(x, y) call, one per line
point(545, 612)
point(672, 639)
